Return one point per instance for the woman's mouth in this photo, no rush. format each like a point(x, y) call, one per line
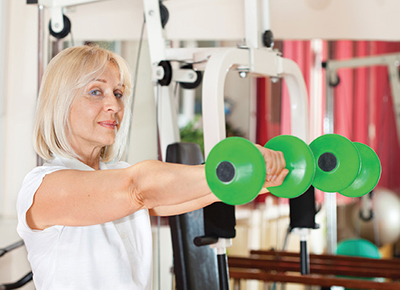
point(110, 124)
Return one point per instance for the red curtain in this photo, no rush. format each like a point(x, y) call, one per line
point(300, 52)
point(384, 134)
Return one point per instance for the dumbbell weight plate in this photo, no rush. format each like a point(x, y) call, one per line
point(300, 163)
point(235, 171)
point(338, 162)
point(369, 175)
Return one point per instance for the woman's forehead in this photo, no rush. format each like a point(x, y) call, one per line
point(110, 73)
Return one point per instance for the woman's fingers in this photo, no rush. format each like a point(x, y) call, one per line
point(275, 164)
point(278, 180)
point(272, 164)
point(279, 164)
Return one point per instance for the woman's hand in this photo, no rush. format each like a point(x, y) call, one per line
point(275, 164)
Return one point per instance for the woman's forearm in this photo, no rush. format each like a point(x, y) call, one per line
point(168, 210)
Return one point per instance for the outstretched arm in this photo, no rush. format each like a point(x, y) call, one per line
point(81, 198)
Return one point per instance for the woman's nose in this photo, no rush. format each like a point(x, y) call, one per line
point(112, 103)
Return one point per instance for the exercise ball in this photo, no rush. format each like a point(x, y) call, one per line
point(358, 248)
point(386, 217)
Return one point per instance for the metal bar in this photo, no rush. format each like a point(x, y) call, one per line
point(11, 247)
point(21, 282)
point(385, 59)
point(304, 260)
point(330, 198)
point(167, 116)
point(223, 272)
point(39, 160)
point(40, 44)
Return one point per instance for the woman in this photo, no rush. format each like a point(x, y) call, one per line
point(86, 227)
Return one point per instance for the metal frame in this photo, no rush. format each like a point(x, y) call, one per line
point(391, 61)
point(254, 62)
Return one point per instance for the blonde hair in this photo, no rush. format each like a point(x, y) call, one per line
point(65, 77)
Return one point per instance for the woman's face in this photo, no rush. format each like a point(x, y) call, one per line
point(96, 115)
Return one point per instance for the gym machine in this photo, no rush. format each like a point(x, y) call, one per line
point(255, 57)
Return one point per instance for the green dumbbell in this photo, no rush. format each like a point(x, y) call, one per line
point(350, 168)
point(235, 168)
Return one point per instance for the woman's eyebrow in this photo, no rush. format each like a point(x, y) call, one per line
point(100, 80)
point(105, 81)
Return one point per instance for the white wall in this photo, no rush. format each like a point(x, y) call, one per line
point(224, 19)
point(290, 19)
point(18, 86)
point(108, 20)
point(335, 19)
point(3, 41)
point(20, 71)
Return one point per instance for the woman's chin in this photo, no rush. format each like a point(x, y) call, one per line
point(108, 141)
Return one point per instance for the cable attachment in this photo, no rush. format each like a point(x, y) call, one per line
point(164, 15)
point(334, 79)
point(268, 38)
point(66, 28)
point(196, 83)
point(366, 218)
point(366, 211)
point(164, 73)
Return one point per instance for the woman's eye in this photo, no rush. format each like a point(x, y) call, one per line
point(95, 93)
point(118, 95)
